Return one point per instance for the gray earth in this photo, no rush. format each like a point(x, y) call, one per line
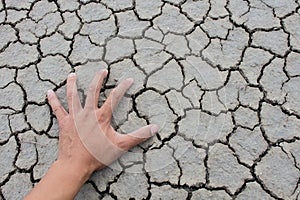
point(220, 77)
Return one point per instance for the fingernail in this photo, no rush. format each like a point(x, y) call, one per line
point(130, 80)
point(71, 75)
point(154, 129)
point(50, 92)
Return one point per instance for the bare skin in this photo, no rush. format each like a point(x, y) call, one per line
point(87, 141)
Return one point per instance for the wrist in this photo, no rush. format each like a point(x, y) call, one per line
point(76, 171)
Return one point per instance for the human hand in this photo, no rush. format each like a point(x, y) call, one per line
point(87, 139)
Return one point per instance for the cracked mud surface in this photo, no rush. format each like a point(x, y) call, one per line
point(220, 77)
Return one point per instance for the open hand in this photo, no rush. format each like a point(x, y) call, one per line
point(86, 137)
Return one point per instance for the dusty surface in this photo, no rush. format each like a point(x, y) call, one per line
point(220, 77)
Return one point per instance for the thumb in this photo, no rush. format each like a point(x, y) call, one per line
point(136, 137)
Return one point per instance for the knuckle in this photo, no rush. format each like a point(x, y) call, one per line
point(69, 95)
point(122, 144)
point(57, 108)
point(102, 117)
point(92, 88)
point(62, 124)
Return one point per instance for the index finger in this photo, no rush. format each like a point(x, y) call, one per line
point(94, 90)
point(56, 106)
point(115, 97)
point(72, 95)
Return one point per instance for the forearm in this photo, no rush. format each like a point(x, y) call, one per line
point(61, 182)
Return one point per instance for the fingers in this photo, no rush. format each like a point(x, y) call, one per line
point(130, 140)
point(56, 106)
point(94, 90)
point(72, 95)
point(114, 98)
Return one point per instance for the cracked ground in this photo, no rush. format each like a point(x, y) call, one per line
point(220, 77)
